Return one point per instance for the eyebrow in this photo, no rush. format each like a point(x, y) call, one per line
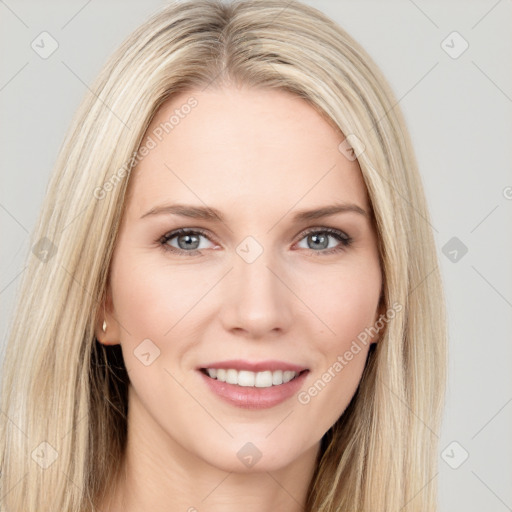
point(214, 215)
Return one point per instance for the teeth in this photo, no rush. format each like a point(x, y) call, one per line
point(288, 376)
point(277, 377)
point(246, 378)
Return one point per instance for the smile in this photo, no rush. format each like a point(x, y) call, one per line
point(253, 390)
point(246, 378)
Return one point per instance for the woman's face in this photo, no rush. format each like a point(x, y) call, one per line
point(254, 285)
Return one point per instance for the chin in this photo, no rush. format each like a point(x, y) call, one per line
point(256, 456)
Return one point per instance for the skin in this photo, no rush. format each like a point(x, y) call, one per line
point(258, 156)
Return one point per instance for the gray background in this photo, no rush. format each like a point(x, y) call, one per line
point(459, 114)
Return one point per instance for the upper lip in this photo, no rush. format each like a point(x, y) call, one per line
point(260, 366)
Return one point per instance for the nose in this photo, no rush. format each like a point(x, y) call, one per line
point(257, 300)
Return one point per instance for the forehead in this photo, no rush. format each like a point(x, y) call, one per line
point(251, 147)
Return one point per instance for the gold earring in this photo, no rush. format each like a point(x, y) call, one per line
point(104, 327)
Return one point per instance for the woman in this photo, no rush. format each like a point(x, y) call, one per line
point(230, 301)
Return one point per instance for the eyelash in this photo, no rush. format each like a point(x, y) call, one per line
point(342, 237)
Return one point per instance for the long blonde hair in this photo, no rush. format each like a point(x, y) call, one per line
point(64, 395)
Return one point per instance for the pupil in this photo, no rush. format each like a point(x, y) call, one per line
point(325, 239)
point(189, 240)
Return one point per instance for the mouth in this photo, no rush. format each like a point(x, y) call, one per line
point(250, 379)
point(257, 390)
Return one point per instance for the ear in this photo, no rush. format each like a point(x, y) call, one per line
point(107, 328)
point(379, 324)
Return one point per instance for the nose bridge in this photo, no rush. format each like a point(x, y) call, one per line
point(260, 302)
point(254, 280)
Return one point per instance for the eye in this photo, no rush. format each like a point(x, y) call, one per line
point(188, 241)
point(319, 238)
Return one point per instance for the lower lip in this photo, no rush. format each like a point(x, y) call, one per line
point(252, 397)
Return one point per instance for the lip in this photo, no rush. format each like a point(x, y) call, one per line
point(252, 397)
point(261, 366)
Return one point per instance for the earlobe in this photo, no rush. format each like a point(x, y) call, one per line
point(106, 330)
point(379, 324)
point(107, 333)
point(100, 331)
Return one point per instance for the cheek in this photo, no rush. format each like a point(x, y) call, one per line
point(348, 306)
point(149, 299)
point(346, 302)
point(137, 297)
